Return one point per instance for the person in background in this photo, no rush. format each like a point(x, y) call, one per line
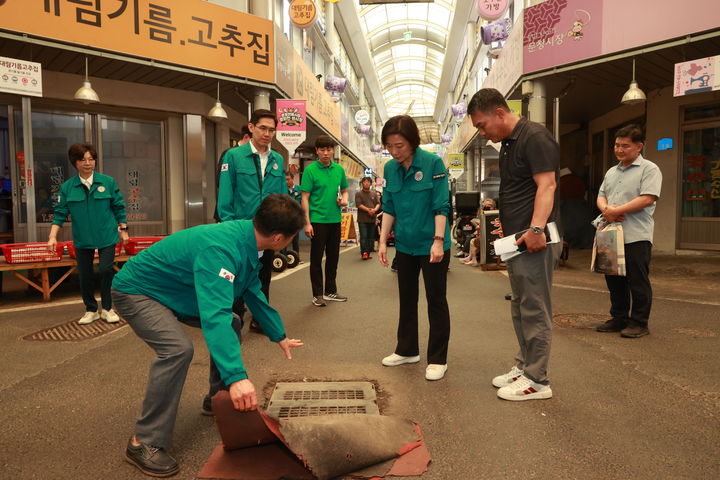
point(416, 204)
point(244, 138)
point(97, 209)
point(294, 191)
point(475, 242)
point(368, 205)
point(529, 169)
point(198, 272)
point(628, 195)
point(324, 193)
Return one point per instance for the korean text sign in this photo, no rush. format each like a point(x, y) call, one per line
point(190, 32)
point(291, 123)
point(20, 77)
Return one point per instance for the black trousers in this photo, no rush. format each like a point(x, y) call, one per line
point(631, 296)
point(435, 279)
point(296, 243)
point(326, 240)
point(84, 259)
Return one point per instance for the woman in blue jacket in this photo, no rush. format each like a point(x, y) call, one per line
point(97, 211)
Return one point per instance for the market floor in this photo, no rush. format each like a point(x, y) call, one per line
point(641, 409)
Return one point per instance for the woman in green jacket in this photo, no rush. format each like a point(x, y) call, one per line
point(97, 211)
point(415, 202)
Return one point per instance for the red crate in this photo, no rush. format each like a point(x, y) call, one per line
point(71, 249)
point(136, 244)
point(31, 252)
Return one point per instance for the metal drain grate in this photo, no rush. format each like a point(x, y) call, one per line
point(303, 399)
point(74, 332)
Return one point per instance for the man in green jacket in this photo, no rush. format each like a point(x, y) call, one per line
point(249, 173)
point(198, 272)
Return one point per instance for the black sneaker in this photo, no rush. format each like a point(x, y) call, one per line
point(153, 461)
point(612, 325)
point(206, 408)
point(334, 297)
point(635, 331)
point(318, 301)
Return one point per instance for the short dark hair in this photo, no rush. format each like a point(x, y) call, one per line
point(245, 130)
point(259, 114)
point(279, 213)
point(366, 178)
point(77, 152)
point(486, 100)
point(402, 125)
point(324, 141)
point(633, 131)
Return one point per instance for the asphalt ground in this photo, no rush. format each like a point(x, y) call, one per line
point(622, 408)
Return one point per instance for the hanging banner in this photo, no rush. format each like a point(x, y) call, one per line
point(456, 164)
point(303, 13)
point(697, 76)
point(291, 123)
point(20, 77)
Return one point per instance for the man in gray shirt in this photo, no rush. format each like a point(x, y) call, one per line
point(628, 195)
point(368, 205)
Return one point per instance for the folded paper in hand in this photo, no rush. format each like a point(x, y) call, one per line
point(506, 248)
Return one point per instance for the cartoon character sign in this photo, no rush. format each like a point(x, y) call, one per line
point(575, 31)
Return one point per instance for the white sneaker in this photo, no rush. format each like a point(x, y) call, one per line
point(435, 371)
point(110, 316)
point(524, 389)
point(89, 317)
point(508, 378)
point(394, 360)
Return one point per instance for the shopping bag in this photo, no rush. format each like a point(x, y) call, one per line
point(608, 254)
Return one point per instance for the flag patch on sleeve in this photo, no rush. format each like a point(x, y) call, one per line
point(227, 275)
point(224, 167)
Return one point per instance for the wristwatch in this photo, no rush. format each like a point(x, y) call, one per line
point(124, 229)
point(536, 229)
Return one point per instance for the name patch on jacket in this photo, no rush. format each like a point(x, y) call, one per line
point(439, 175)
point(224, 167)
point(227, 275)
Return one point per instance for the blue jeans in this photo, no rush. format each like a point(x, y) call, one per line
point(367, 237)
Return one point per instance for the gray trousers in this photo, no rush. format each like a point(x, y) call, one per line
point(158, 326)
point(531, 307)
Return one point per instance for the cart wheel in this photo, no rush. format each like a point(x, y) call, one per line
point(293, 258)
point(279, 262)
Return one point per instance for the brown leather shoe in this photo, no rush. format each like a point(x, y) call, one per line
point(635, 331)
point(612, 325)
point(153, 461)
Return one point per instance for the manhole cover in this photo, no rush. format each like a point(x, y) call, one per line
point(304, 399)
point(74, 332)
point(579, 320)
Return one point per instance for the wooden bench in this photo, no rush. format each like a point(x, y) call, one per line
point(45, 287)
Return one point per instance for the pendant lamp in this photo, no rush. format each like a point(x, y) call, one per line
point(634, 95)
point(86, 94)
point(218, 112)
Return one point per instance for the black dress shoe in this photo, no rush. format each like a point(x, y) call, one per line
point(635, 331)
point(151, 460)
point(612, 325)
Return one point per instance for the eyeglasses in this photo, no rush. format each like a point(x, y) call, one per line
point(264, 129)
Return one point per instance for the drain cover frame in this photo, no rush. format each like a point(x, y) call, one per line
point(74, 332)
point(306, 399)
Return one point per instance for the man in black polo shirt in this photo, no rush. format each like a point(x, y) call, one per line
point(529, 171)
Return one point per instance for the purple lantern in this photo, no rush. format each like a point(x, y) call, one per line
point(446, 138)
point(376, 148)
point(363, 129)
point(458, 110)
point(496, 31)
point(335, 86)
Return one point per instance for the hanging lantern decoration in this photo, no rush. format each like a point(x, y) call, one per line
point(376, 148)
point(458, 111)
point(363, 130)
point(446, 138)
point(496, 31)
point(491, 10)
point(335, 87)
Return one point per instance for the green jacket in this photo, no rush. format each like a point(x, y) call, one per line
point(198, 272)
point(95, 215)
point(414, 197)
point(239, 190)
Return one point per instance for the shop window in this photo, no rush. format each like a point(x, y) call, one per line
point(53, 133)
point(702, 112)
point(132, 154)
point(701, 173)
